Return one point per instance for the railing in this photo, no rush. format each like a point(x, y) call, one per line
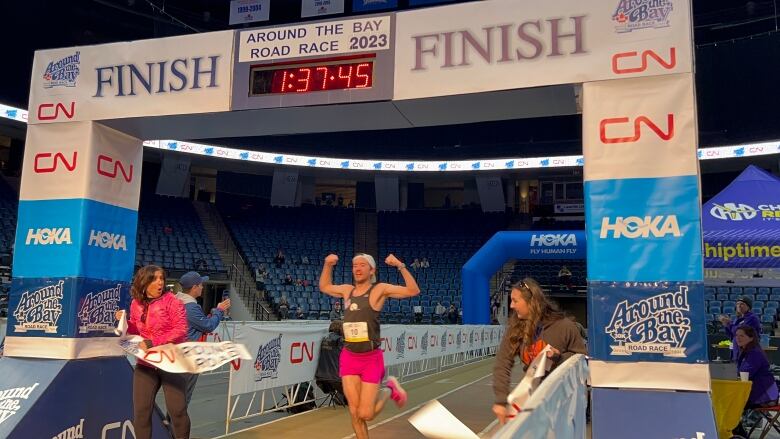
point(241, 279)
point(246, 289)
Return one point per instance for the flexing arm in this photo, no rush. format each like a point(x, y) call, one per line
point(410, 288)
point(326, 279)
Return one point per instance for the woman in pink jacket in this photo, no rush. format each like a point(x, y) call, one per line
point(159, 318)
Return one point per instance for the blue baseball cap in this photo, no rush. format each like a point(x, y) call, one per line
point(192, 278)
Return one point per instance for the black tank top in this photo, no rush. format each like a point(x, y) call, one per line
point(361, 323)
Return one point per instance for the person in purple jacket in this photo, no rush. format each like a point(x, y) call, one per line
point(751, 359)
point(744, 318)
point(198, 323)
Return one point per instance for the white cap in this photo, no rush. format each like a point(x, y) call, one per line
point(371, 262)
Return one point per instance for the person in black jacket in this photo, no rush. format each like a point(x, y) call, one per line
point(327, 374)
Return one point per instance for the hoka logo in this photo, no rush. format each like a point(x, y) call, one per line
point(636, 227)
point(54, 236)
point(553, 240)
point(107, 240)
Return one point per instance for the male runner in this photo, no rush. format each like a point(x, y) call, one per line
point(361, 364)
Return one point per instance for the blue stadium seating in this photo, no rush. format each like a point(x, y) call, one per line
point(171, 235)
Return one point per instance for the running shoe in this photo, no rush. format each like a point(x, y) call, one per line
point(397, 393)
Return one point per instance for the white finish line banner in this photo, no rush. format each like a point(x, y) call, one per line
point(286, 354)
point(507, 44)
point(190, 357)
point(368, 34)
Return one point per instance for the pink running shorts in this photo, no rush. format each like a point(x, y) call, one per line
point(369, 366)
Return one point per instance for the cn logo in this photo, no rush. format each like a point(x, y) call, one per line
point(299, 352)
point(622, 61)
point(638, 122)
point(110, 168)
point(46, 162)
point(125, 428)
point(53, 111)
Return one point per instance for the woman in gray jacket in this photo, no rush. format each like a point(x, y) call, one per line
point(535, 323)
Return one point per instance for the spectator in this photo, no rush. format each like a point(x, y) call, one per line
point(336, 313)
point(452, 315)
point(564, 277)
point(288, 280)
point(416, 264)
point(744, 318)
point(261, 274)
point(534, 324)
point(284, 308)
point(305, 260)
point(167, 229)
point(751, 359)
point(198, 324)
point(417, 314)
point(279, 258)
point(299, 314)
point(327, 374)
point(201, 265)
point(159, 318)
point(440, 310)
point(447, 201)
point(424, 263)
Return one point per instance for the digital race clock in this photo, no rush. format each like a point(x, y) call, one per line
point(305, 77)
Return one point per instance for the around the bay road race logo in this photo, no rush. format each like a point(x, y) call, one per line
point(633, 15)
point(654, 325)
point(268, 358)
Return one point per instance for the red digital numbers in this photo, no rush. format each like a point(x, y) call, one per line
point(319, 78)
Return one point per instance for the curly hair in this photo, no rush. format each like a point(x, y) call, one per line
point(541, 310)
point(143, 277)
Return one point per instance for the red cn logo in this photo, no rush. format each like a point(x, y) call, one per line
point(301, 351)
point(620, 59)
point(110, 168)
point(53, 111)
point(46, 162)
point(638, 122)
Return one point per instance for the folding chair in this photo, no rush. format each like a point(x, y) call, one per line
point(771, 415)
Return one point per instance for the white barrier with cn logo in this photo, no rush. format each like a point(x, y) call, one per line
point(286, 354)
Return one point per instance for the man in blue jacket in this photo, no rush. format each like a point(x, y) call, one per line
point(746, 317)
point(198, 323)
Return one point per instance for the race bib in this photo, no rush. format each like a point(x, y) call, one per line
point(355, 332)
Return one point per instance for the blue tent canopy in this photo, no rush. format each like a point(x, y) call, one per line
point(742, 223)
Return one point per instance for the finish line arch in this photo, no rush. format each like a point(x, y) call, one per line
point(435, 67)
point(503, 246)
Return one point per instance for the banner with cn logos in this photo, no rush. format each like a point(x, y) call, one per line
point(177, 75)
point(508, 44)
point(74, 238)
point(647, 321)
point(640, 127)
point(81, 160)
point(286, 354)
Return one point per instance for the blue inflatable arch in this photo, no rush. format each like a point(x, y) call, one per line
point(503, 246)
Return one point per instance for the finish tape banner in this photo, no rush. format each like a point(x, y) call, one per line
point(286, 354)
point(190, 357)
